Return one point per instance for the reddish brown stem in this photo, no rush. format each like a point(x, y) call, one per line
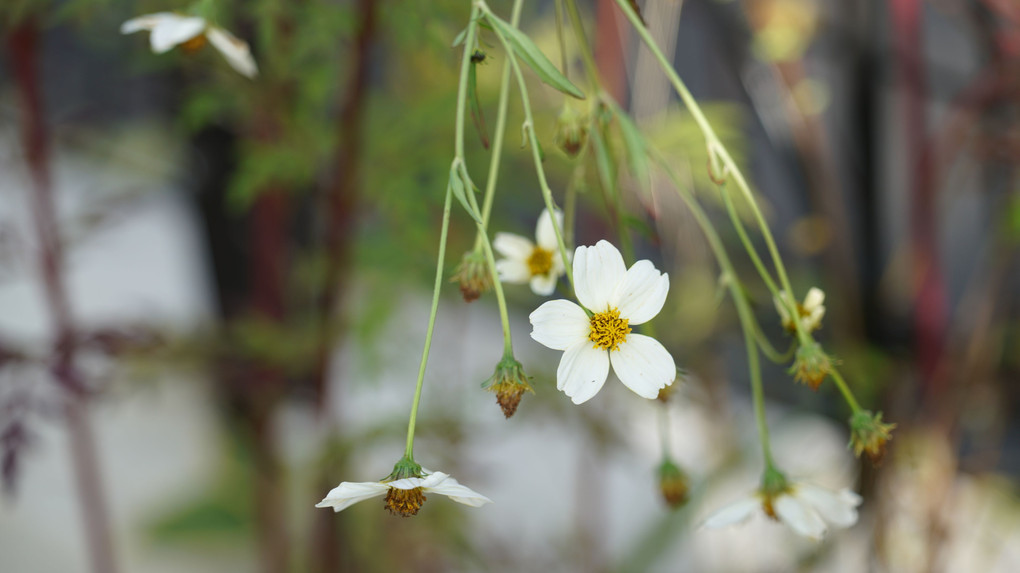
point(22, 45)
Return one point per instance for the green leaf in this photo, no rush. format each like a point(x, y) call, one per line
point(637, 149)
point(457, 186)
point(603, 158)
point(524, 48)
point(460, 38)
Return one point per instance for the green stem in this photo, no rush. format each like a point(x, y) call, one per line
point(664, 436)
point(748, 246)
point(409, 452)
point(564, 68)
point(844, 389)
point(716, 150)
point(465, 64)
point(590, 67)
point(747, 321)
point(529, 123)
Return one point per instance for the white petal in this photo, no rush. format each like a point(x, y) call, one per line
point(545, 233)
point(641, 293)
point(348, 493)
point(407, 483)
point(560, 324)
point(800, 516)
point(513, 271)
point(235, 50)
point(597, 271)
point(732, 514)
point(172, 30)
point(513, 246)
point(544, 285)
point(814, 299)
point(835, 508)
point(643, 364)
point(446, 485)
point(582, 371)
point(146, 22)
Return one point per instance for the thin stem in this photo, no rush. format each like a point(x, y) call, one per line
point(564, 68)
point(748, 246)
point(409, 452)
point(717, 151)
point(844, 389)
point(590, 67)
point(664, 436)
point(747, 321)
point(465, 64)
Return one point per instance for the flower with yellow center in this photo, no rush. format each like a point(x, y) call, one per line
point(169, 29)
point(806, 509)
point(617, 298)
point(539, 264)
point(404, 496)
point(809, 314)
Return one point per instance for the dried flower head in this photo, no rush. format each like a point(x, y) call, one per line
point(811, 365)
point(673, 484)
point(869, 435)
point(472, 275)
point(571, 131)
point(509, 383)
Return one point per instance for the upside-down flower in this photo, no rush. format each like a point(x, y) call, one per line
point(809, 314)
point(404, 495)
point(806, 509)
point(617, 298)
point(169, 29)
point(539, 264)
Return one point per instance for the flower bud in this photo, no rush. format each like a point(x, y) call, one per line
point(673, 484)
point(472, 275)
point(509, 383)
point(571, 131)
point(869, 435)
point(811, 366)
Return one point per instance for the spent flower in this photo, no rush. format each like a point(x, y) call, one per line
point(869, 435)
point(616, 299)
point(472, 275)
point(811, 365)
point(571, 131)
point(404, 489)
point(673, 484)
point(509, 383)
point(805, 508)
point(539, 264)
point(169, 29)
point(810, 313)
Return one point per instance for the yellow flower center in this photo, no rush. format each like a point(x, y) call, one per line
point(405, 502)
point(540, 262)
point(608, 330)
point(193, 45)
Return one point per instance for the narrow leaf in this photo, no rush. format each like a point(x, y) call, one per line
point(527, 51)
point(637, 150)
point(477, 116)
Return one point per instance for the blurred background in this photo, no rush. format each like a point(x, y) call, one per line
point(214, 290)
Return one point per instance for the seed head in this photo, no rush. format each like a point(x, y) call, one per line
point(869, 435)
point(472, 275)
point(509, 383)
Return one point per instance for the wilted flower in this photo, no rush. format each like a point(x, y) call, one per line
point(571, 131)
point(617, 298)
point(804, 508)
point(404, 489)
point(673, 484)
point(509, 383)
point(169, 29)
point(809, 314)
point(538, 263)
point(869, 435)
point(811, 365)
point(472, 275)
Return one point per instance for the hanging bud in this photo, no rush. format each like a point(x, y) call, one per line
point(869, 435)
point(571, 131)
point(673, 484)
point(472, 275)
point(509, 383)
point(811, 365)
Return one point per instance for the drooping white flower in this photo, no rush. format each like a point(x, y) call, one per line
point(617, 298)
point(169, 29)
point(809, 314)
point(539, 264)
point(403, 496)
point(806, 509)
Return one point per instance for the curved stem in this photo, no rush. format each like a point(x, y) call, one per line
point(431, 327)
point(748, 246)
point(590, 67)
point(844, 389)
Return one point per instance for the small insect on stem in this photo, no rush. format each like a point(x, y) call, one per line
point(478, 57)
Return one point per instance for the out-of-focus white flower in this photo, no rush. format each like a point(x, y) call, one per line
point(809, 314)
point(617, 298)
point(403, 496)
point(806, 509)
point(169, 29)
point(539, 264)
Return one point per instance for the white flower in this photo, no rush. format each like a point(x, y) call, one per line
point(810, 313)
point(618, 298)
point(403, 496)
point(169, 29)
point(805, 508)
point(538, 263)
